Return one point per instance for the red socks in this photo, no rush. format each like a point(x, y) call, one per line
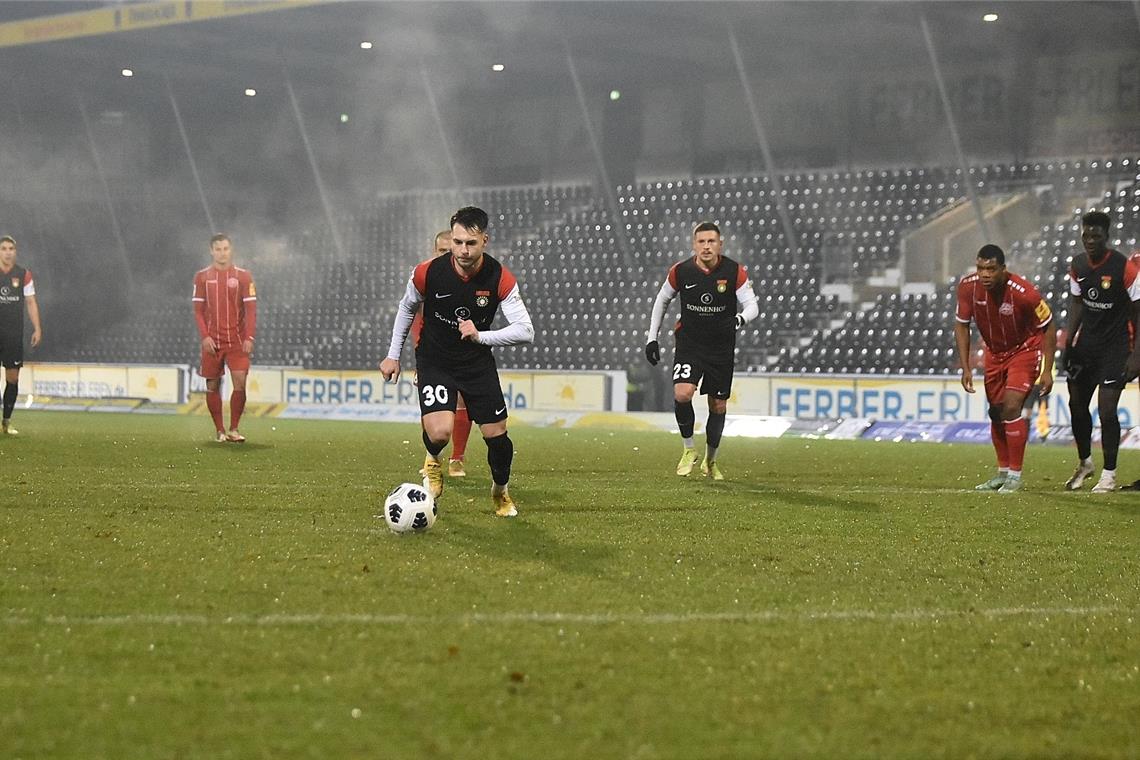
point(1016, 436)
point(460, 431)
point(237, 406)
point(997, 435)
point(214, 404)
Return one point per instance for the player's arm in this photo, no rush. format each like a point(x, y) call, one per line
point(199, 301)
point(665, 296)
point(746, 298)
point(1132, 281)
point(34, 316)
point(962, 342)
point(1076, 314)
point(1049, 349)
point(405, 314)
point(519, 328)
point(249, 306)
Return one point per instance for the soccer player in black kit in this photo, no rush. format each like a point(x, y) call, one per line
point(17, 293)
point(711, 286)
point(460, 293)
point(1104, 314)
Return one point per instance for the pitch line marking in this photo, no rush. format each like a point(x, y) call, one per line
point(500, 618)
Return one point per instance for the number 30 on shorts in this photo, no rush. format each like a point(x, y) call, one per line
point(682, 371)
point(434, 394)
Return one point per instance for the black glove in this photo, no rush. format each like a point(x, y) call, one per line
point(653, 352)
point(739, 321)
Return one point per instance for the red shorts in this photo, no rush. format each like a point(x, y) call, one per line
point(213, 365)
point(1016, 373)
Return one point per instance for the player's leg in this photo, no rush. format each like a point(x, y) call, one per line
point(994, 378)
point(437, 392)
point(686, 375)
point(717, 384)
point(483, 394)
point(1108, 401)
point(11, 391)
point(1080, 397)
point(1021, 371)
point(714, 429)
point(239, 371)
point(211, 368)
point(460, 432)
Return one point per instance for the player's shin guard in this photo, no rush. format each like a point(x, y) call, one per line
point(500, 454)
point(460, 432)
point(714, 428)
point(237, 406)
point(1081, 419)
point(686, 417)
point(432, 447)
point(1110, 439)
point(11, 391)
point(1016, 436)
point(214, 404)
point(998, 432)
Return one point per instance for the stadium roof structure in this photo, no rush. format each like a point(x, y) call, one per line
point(613, 44)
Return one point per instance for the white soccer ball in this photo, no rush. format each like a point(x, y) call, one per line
point(409, 508)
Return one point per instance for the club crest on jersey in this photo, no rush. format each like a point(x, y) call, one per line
point(15, 282)
point(1006, 309)
point(1106, 282)
point(232, 283)
point(482, 298)
point(721, 286)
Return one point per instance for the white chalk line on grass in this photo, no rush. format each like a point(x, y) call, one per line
point(573, 618)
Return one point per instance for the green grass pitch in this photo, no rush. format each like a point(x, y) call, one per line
point(163, 596)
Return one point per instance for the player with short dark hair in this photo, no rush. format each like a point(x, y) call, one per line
point(225, 311)
point(1020, 339)
point(461, 431)
point(1100, 355)
point(461, 293)
point(711, 286)
point(17, 295)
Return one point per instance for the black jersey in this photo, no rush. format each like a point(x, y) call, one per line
point(1107, 291)
point(13, 285)
point(708, 302)
point(450, 297)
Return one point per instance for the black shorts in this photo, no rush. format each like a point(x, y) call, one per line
point(712, 372)
point(1103, 367)
point(12, 351)
point(439, 388)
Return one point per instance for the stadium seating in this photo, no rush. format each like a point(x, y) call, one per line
point(589, 273)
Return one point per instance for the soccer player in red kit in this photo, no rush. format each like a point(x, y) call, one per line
point(462, 428)
point(461, 292)
point(17, 294)
point(225, 310)
point(1020, 339)
point(710, 287)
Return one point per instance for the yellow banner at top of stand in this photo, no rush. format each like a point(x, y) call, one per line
point(133, 16)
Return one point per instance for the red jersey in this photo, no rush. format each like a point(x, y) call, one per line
point(1009, 321)
point(225, 305)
